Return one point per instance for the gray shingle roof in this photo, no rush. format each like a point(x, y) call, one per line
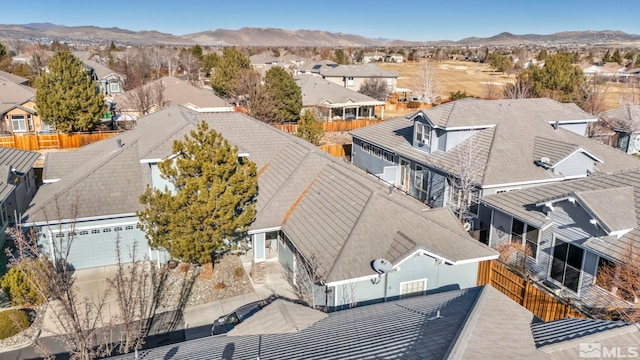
point(477, 323)
point(100, 70)
point(507, 149)
point(614, 207)
point(317, 91)
point(627, 117)
point(279, 317)
point(177, 92)
point(12, 95)
point(13, 78)
point(521, 204)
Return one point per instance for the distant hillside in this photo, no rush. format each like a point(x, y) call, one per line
point(279, 37)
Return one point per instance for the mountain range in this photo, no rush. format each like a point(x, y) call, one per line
point(249, 36)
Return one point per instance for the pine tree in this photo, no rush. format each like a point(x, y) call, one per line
point(213, 199)
point(286, 94)
point(617, 57)
point(310, 129)
point(66, 95)
point(340, 57)
point(226, 70)
point(558, 79)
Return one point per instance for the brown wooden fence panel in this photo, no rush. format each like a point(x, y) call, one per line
point(524, 292)
point(53, 141)
point(337, 150)
point(333, 126)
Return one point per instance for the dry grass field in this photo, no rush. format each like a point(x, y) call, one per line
point(473, 78)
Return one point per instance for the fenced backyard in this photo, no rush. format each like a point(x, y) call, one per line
point(53, 141)
point(524, 292)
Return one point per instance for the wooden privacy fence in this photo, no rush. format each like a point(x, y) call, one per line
point(53, 141)
point(337, 150)
point(521, 290)
point(332, 126)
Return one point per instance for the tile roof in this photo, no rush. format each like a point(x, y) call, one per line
point(601, 202)
point(21, 160)
point(521, 204)
point(326, 206)
point(626, 117)
point(279, 317)
point(507, 148)
point(562, 339)
point(470, 325)
point(317, 91)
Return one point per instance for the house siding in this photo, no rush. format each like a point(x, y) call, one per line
point(157, 180)
point(367, 161)
point(438, 277)
point(578, 164)
point(579, 128)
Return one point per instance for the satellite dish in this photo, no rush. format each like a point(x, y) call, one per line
point(381, 266)
point(545, 160)
point(467, 226)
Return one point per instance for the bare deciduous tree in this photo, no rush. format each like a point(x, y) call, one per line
point(521, 88)
point(427, 82)
point(629, 94)
point(621, 279)
point(596, 93)
point(83, 325)
point(375, 88)
point(144, 99)
point(308, 279)
point(465, 177)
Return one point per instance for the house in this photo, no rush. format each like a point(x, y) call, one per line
point(331, 101)
point(353, 76)
point(605, 69)
point(162, 93)
point(493, 145)
point(264, 59)
point(573, 230)
point(625, 121)
point(18, 109)
point(370, 57)
point(17, 185)
point(394, 58)
point(314, 211)
point(476, 323)
point(313, 68)
point(110, 82)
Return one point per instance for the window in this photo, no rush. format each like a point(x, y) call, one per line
point(95, 231)
point(365, 147)
point(566, 264)
point(531, 236)
point(128, 227)
point(376, 151)
point(388, 156)
point(517, 229)
point(423, 133)
point(117, 228)
point(18, 123)
point(114, 87)
point(412, 288)
point(84, 232)
point(105, 230)
point(350, 81)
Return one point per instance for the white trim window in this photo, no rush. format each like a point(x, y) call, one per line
point(19, 123)
point(114, 87)
point(423, 134)
point(349, 81)
point(413, 288)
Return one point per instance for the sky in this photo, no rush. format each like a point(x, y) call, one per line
point(417, 20)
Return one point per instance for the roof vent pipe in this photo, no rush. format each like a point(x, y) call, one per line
point(119, 142)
